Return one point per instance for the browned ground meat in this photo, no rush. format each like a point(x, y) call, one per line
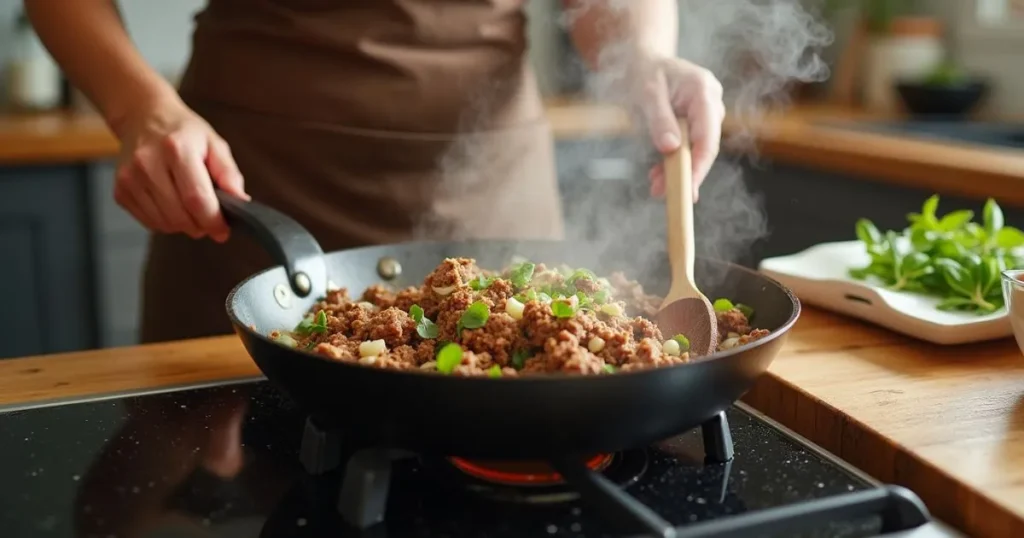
point(512, 331)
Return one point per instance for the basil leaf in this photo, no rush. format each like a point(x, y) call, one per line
point(955, 303)
point(867, 232)
point(480, 283)
point(305, 327)
point(992, 217)
point(519, 358)
point(474, 317)
point(310, 325)
point(723, 305)
point(522, 274)
point(928, 209)
point(988, 275)
point(416, 313)
point(1009, 238)
point(527, 296)
point(956, 276)
point(955, 220)
point(449, 357)
point(494, 371)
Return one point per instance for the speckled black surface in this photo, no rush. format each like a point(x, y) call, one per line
point(142, 467)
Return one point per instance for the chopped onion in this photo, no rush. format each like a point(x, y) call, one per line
point(514, 308)
point(732, 335)
point(596, 344)
point(444, 291)
point(429, 365)
point(730, 343)
point(368, 361)
point(671, 347)
point(372, 348)
point(612, 309)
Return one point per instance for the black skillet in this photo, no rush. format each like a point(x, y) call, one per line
point(535, 417)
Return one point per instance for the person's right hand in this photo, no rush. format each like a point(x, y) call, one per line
point(171, 159)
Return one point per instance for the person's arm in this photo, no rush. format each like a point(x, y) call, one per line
point(171, 157)
point(89, 41)
point(636, 41)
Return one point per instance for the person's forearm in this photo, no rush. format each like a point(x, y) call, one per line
point(89, 42)
point(649, 27)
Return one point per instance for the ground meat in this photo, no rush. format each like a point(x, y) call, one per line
point(620, 340)
point(732, 321)
point(499, 337)
point(379, 296)
point(451, 273)
point(392, 325)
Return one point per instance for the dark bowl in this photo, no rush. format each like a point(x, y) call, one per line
point(932, 100)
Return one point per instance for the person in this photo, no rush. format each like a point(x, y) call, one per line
point(369, 122)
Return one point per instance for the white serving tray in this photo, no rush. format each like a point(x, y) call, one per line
point(819, 277)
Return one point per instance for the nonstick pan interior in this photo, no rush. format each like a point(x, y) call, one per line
point(541, 416)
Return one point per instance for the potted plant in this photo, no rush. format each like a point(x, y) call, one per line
point(900, 42)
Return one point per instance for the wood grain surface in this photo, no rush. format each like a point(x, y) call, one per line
point(944, 421)
point(799, 136)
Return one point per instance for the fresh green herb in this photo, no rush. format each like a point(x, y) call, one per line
point(747, 310)
point(449, 357)
point(543, 297)
point(519, 358)
point(950, 257)
point(601, 297)
point(522, 274)
point(562, 309)
point(608, 368)
point(310, 345)
point(494, 371)
point(529, 295)
point(723, 305)
point(480, 283)
point(424, 327)
point(474, 317)
point(683, 341)
point(310, 325)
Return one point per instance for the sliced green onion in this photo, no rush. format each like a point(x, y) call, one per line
point(601, 297)
point(608, 368)
point(748, 312)
point(449, 357)
point(723, 305)
point(684, 342)
point(562, 309)
point(494, 371)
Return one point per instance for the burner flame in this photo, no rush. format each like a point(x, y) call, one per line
point(522, 473)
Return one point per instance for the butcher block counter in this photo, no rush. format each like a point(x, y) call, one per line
point(943, 421)
point(804, 135)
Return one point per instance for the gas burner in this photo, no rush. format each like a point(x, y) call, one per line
point(533, 482)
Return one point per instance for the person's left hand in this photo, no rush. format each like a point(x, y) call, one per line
point(673, 88)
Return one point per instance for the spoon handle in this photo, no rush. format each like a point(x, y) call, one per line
point(679, 205)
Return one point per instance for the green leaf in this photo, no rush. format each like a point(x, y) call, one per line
point(527, 296)
point(955, 220)
point(562, 309)
point(683, 341)
point(930, 206)
point(988, 276)
point(416, 313)
point(1009, 238)
point(480, 283)
point(522, 274)
point(449, 357)
point(601, 297)
point(723, 305)
point(992, 217)
point(748, 311)
point(310, 325)
point(867, 232)
point(494, 371)
point(305, 327)
point(519, 357)
point(956, 276)
point(955, 303)
point(474, 317)
point(424, 327)
point(609, 368)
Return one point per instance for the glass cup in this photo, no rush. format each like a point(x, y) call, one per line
point(1013, 294)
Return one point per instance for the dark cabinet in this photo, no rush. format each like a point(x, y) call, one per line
point(45, 265)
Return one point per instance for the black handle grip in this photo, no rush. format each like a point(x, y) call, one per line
point(286, 240)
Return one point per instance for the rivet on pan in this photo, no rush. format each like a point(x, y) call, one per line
point(389, 268)
point(302, 283)
point(282, 296)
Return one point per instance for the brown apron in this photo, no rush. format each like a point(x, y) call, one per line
point(369, 122)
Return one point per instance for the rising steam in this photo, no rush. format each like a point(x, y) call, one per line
point(756, 48)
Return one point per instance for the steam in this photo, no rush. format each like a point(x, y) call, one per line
point(757, 49)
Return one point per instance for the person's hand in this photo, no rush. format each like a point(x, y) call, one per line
point(673, 88)
point(171, 159)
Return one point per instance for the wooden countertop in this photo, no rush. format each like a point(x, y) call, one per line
point(943, 421)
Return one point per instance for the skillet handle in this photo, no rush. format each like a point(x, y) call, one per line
point(286, 240)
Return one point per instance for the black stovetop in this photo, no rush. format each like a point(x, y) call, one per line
point(169, 465)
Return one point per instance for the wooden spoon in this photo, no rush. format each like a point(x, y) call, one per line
point(685, 309)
